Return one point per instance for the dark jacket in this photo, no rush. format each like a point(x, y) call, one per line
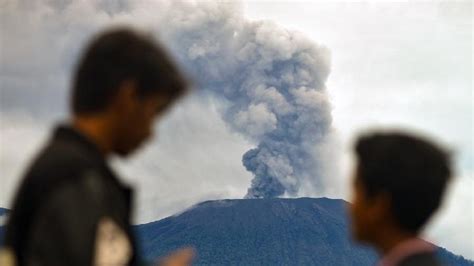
point(421, 259)
point(64, 193)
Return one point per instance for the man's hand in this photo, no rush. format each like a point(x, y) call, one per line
point(181, 257)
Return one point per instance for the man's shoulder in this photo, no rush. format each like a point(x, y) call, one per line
point(59, 159)
point(61, 153)
point(421, 259)
point(57, 163)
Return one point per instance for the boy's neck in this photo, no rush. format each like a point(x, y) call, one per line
point(392, 237)
point(95, 130)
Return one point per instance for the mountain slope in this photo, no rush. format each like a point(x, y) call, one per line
point(3, 215)
point(3, 211)
point(263, 232)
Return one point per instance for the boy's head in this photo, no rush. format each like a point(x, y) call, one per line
point(399, 181)
point(127, 79)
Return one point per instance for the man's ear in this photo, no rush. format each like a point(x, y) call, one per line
point(381, 205)
point(126, 97)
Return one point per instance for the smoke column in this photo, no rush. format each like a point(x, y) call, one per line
point(273, 83)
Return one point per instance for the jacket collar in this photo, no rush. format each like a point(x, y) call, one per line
point(69, 133)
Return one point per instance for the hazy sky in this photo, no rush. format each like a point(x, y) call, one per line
point(404, 64)
point(399, 64)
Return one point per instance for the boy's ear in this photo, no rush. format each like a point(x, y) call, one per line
point(381, 205)
point(126, 96)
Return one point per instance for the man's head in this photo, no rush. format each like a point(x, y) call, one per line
point(399, 182)
point(126, 79)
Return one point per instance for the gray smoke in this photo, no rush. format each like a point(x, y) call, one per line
point(273, 83)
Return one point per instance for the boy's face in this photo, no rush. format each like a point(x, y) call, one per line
point(368, 213)
point(136, 121)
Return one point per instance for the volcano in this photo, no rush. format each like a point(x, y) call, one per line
point(304, 231)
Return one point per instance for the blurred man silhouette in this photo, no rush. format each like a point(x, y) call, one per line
point(71, 208)
point(399, 183)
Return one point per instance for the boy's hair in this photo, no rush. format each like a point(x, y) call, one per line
point(116, 56)
point(412, 171)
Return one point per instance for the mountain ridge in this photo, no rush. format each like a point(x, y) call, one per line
point(303, 231)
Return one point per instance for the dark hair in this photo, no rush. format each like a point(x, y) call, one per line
point(412, 171)
point(118, 55)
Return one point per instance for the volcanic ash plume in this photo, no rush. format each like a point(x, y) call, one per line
point(273, 83)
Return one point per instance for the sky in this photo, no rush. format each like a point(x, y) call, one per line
point(390, 65)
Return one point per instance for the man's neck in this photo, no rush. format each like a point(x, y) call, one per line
point(391, 238)
point(96, 130)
